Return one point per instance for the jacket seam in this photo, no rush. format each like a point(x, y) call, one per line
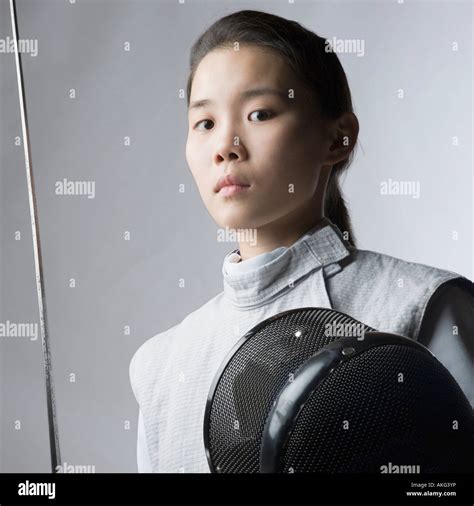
point(428, 300)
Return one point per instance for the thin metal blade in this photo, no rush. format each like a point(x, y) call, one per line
point(52, 421)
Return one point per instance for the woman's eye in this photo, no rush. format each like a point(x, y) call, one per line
point(262, 115)
point(266, 114)
point(202, 121)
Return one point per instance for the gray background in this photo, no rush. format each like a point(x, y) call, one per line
point(135, 282)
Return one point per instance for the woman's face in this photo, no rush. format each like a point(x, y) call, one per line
point(270, 141)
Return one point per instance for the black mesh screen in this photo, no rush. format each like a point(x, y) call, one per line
point(407, 422)
point(254, 377)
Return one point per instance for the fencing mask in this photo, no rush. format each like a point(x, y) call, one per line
point(314, 390)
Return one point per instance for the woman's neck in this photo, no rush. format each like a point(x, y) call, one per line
point(272, 236)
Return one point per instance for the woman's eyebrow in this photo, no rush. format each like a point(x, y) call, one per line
point(245, 95)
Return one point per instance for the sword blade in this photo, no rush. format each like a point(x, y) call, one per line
point(40, 289)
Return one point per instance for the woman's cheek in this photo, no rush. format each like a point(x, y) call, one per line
point(195, 159)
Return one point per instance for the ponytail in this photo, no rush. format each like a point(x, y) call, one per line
point(335, 207)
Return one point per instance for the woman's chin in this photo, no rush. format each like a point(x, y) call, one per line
point(239, 217)
point(235, 223)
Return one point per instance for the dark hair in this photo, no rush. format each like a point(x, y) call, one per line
point(318, 69)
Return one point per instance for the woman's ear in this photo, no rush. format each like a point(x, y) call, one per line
point(343, 136)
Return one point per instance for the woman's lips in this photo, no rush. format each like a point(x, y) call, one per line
point(230, 190)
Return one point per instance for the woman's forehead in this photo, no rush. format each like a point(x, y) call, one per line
point(225, 69)
point(248, 60)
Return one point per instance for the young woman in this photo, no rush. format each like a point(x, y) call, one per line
point(271, 129)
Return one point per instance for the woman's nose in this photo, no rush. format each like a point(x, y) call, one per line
point(230, 148)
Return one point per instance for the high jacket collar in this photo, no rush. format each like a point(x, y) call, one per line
point(321, 246)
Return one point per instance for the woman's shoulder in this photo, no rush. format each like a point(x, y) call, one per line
point(383, 267)
point(152, 356)
point(386, 292)
point(143, 363)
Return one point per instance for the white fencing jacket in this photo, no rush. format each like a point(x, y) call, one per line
point(171, 373)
